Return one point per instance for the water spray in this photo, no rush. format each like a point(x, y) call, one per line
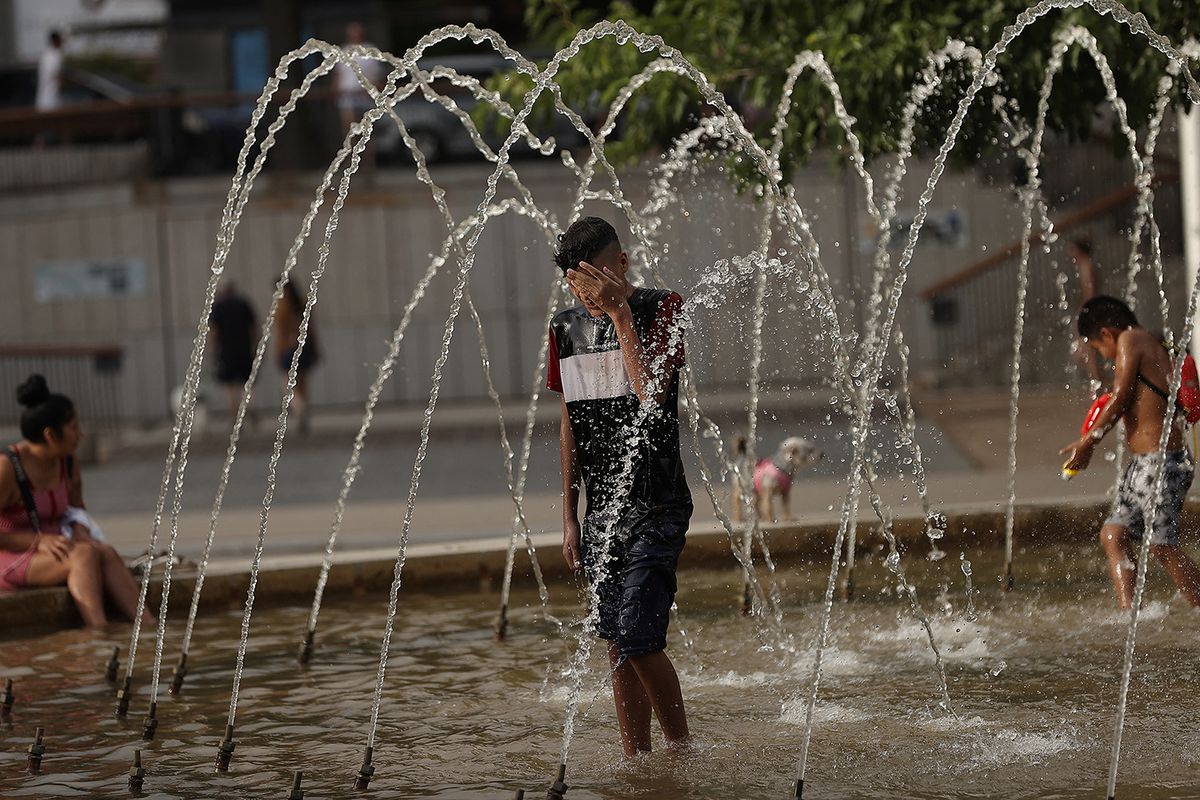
point(555, 791)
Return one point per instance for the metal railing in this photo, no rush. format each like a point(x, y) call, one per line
point(973, 311)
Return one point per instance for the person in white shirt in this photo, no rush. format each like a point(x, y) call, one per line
point(353, 100)
point(49, 75)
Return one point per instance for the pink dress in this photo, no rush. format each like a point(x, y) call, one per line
point(767, 467)
point(51, 505)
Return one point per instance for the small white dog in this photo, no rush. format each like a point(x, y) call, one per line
point(773, 476)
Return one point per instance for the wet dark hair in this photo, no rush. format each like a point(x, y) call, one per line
point(55, 38)
point(1101, 312)
point(43, 409)
point(583, 241)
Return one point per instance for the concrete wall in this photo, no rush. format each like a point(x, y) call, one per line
point(388, 230)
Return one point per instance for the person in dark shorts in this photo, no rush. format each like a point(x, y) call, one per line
point(1140, 399)
point(233, 335)
point(620, 351)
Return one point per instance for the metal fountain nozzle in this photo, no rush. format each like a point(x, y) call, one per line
point(124, 697)
point(225, 750)
point(558, 790)
point(799, 789)
point(747, 600)
point(502, 624)
point(114, 663)
point(36, 751)
point(179, 673)
point(297, 792)
point(151, 723)
point(306, 647)
point(137, 775)
point(7, 703)
point(366, 771)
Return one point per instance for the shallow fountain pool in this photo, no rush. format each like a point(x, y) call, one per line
point(1034, 683)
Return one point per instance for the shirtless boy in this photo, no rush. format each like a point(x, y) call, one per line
point(1139, 398)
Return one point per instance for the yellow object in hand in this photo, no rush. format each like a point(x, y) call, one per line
point(1067, 474)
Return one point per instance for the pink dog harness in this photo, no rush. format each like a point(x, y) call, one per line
point(767, 467)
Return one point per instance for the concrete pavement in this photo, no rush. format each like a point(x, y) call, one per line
point(463, 493)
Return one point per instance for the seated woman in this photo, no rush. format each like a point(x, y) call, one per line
point(33, 549)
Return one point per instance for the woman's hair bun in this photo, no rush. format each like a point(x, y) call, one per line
point(33, 391)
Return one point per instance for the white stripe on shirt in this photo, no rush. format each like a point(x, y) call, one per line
point(594, 376)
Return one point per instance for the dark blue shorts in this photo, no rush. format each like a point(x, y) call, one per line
point(639, 588)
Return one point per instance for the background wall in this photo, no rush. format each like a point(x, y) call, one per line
point(390, 228)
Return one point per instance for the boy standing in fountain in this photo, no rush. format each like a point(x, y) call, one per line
point(1139, 398)
point(615, 360)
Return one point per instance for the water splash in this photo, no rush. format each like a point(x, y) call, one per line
point(860, 383)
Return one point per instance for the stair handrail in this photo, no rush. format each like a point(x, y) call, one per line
point(1063, 224)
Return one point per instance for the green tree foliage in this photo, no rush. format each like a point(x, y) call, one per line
point(876, 49)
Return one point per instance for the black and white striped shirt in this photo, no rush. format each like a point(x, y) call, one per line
point(586, 366)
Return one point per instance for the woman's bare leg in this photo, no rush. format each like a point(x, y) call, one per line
point(120, 585)
point(81, 572)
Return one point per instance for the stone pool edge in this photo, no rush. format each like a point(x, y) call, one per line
point(479, 563)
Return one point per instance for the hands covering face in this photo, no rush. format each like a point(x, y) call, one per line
point(599, 287)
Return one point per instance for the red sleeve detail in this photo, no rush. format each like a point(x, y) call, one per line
point(1189, 390)
point(553, 376)
point(666, 334)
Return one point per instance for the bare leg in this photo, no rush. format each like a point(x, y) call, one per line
point(81, 572)
point(120, 585)
point(1182, 570)
point(661, 686)
point(633, 707)
point(1115, 541)
point(86, 584)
